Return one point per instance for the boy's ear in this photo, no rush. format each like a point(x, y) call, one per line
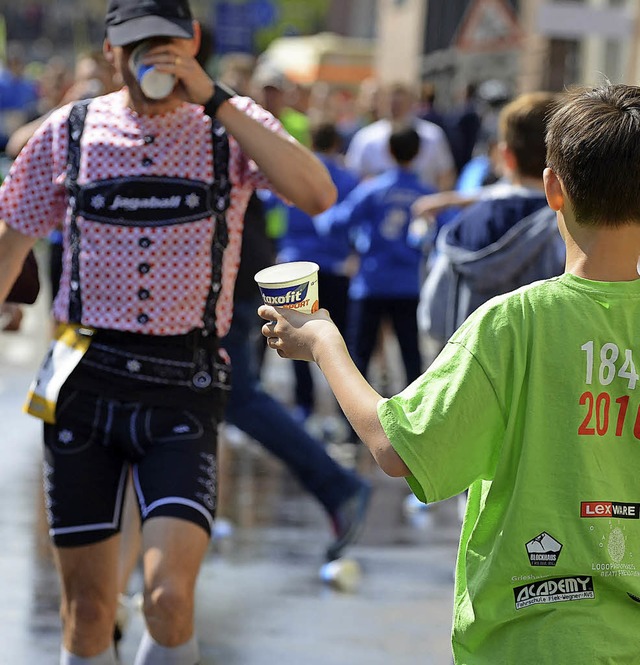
point(553, 190)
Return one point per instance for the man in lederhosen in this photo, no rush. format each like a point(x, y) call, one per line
point(152, 193)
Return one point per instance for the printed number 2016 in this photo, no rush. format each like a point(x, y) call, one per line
point(609, 354)
point(598, 411)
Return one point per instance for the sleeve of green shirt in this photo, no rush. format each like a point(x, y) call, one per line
point(447, 426)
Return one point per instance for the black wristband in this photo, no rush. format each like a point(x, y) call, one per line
point(221, 94)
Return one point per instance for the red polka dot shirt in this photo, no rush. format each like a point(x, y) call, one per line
point(117, 142)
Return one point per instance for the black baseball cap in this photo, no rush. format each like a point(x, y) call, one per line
point(130, 21)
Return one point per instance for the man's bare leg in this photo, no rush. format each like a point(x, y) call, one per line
point(173, 553)
point(88, 576)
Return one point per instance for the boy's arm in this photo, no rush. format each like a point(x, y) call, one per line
point(432, 204)
point(315, 337)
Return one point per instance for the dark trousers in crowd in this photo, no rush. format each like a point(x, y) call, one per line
point(364, 321)
point(265, 419)
point(332, 291)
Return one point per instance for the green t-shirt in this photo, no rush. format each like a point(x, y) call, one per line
point(534, 405)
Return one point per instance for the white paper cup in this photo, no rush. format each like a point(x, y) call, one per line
point(292, 285)
point(342, 574)
point(154, 84)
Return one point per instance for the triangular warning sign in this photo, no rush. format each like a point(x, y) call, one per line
point(488, 25)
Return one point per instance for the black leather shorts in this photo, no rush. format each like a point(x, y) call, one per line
point(182, 370)
point(94, 443)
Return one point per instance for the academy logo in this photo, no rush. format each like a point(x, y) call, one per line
point(626, 511)
point(543, 550)
point(557, 590)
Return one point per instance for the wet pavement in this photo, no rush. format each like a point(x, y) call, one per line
point(260, 600)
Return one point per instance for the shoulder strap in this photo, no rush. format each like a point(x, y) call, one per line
point(220, 199)
point(75, 125)
point(220, 192)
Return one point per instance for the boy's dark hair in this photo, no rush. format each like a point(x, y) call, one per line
point(593, 146)
point(522, 126)
point(325, 137)
point(404, 145)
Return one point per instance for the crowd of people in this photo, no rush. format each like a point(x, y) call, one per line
point(348, 129)
point(417, 216)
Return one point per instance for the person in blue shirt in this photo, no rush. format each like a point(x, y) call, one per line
point(18, 94)
point(377, 214)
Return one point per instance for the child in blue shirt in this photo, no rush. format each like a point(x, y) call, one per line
point(377, 214)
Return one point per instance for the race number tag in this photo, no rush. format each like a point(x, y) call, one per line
point(70, 344)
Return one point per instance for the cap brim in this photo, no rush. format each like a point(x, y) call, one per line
point(148, 26)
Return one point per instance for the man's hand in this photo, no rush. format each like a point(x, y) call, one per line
point(194, 84)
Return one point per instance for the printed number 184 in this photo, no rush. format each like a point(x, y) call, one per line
point(607, 368)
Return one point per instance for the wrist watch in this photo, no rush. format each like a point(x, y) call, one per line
point(221, 94)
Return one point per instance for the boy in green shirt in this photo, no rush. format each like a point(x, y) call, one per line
point(532, 405)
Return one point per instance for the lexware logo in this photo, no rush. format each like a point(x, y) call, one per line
point(628, 511)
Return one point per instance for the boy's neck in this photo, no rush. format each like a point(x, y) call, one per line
point(525, 181)
point(604, 254)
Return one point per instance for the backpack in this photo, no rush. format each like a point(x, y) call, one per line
point(460, 280)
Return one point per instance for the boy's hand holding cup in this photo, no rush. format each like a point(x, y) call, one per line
point(294, 287)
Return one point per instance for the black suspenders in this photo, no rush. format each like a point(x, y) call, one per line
point(219, 198)
point(76, 125)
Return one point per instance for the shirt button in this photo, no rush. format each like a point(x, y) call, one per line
point(147, 161)
point(144, 268)
point(143, 318)
point(143, 294)
point(149, 138)
point(144, 242)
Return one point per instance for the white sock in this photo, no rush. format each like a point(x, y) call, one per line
point(107, 657)
point(152, 653)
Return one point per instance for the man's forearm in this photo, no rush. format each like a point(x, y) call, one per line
point(14, 248)
point(295, 172)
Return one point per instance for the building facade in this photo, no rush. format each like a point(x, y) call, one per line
point(527, 44)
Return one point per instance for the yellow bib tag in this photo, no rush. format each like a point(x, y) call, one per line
point(70, 344)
